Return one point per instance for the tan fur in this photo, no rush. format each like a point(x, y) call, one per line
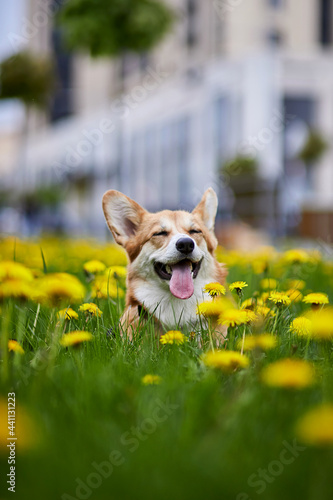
point(134, 228)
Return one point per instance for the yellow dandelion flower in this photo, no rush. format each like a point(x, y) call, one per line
point(37, 273)
point(237, 286)
point(214, 289)
point(116, 272)
point(74, 338)
point(264, 311)
point(296, 284)
point(60, 287)
point(151, 379)
point(259, 266)
point(90, 308)
point(14, 271)
point(289, 373)
point(316, 298)
point(16, 289)
point(301, 326)
point(264, 341)
point(104, 288)
point(321, 324)
point(250, 303)
point(227, 361)
point(68, 313)
point(26, 429)
point(315, 428)
point(213, 307)
point(269, 284)
point(297, 256)
point(279, 298)
point(94, 267)
point(231, 258)
point(14, 346)
point(233, 317)
point(264, 297)
point(294, 294)
point(251, 316)
point(173, 337)
point(114, 255)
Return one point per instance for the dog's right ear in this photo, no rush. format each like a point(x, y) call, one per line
point(207, 208)
point(122, 215)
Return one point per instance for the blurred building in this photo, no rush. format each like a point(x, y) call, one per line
point(245, 78)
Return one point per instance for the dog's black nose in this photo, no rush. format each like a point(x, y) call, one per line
point(185, 245)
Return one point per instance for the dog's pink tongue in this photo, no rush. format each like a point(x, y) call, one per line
point(181, 283)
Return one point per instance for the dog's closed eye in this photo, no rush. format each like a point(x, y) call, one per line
point(161, 233)
point(195, 231)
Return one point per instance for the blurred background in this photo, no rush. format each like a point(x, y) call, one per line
point(162, 100)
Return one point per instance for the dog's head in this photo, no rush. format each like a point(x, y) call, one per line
point(169, 248)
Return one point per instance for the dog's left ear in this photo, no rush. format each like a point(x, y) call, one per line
point(207, 208)
point(123, 215)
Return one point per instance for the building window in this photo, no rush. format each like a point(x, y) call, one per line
point(61, 105)
point(168, 180)
point(144, 61)
point(133, 63)
point(274, 38)
point(135, 166)
point(192, 23)
point(182, 159)
point(222, 128)
point(276, 3)
point(300, 117)
point(326, 18)
point(129, 64)
point(152, 171)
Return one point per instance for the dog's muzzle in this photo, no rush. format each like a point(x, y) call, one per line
point(180, 276)
point(164, 271)
point(181, 269)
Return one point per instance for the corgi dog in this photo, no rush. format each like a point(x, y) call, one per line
point(171, 259)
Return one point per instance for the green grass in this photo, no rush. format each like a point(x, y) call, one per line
point(199, 434)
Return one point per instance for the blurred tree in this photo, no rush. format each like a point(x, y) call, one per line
point(30, 78)
point(314, 148)
point(27, 77)
point(110, 27)
point(240, 166)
